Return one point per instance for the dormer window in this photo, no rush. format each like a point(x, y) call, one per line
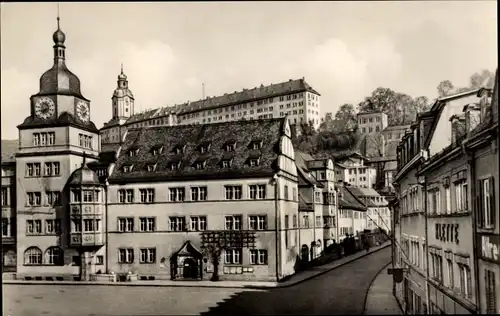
point(174, 166)
point(157, 150)
point(257, 144)
point(133, 152)
point(199, 165)
point(151, 167)
point(179, 149)
point(229, 147)
point(127, 168)
point(254, 162)
point(226, 163)
point(204, 148)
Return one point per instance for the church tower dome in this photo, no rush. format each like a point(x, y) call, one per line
point(59, 79)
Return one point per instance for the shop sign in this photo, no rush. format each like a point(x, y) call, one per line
point(447, 232)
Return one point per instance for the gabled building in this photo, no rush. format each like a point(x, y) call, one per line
point(353, 170)
point(481, 148)
point(372, 122)
point(170, 184)
point(433, 239)
point(352, 213)
point(377, 215)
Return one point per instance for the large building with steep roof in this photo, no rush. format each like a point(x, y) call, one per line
point(295, 99)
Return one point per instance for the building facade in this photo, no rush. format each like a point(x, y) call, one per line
point(372, 122)
point(354, 171)
point(481, 149)
point(433, 220)
point(295, 99)
point(8, 198)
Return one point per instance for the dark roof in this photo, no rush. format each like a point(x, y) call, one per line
point(83, 176)
point(9, 150)
point(396, 127)
point(60, 80)
point(305, 205)
point(64, 119)
point(228, 99)
point(110, 147)
point(304, 177)
point(359, 192)
point(189, 137)
point(349, 201)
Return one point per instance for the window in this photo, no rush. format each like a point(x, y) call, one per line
point(198, 223)
point(199, 193)
point(450, 274)
point(491, 304)
point(51, 169)
point(447, 205)
point(127, 168)
point(147, 224)
point(33, 256)
point(54, 256)
point(286, 192)
point(229, 147)
point(5, 227)
point(151, 167)
point(461, 200)
point(305, 221)
point(53, 197)
point(148, 255)
point(88, 196)
point(33, 169)
point(125, 255)
point(157, 150)
point(257, 145)
point(177, 223)
point(44, 139)
point(465, 281)
point(91, 225)
point(257, 191)
point(147, 195)
point(126, 224)
point(226, 163)
point(487, 202)
point(5, 196)
point(99, 260)
point(258, 222)
point(233, 222)
point(319, 221)
point(34, 198)
point(53, 226)
point(233, 192)
point(177, 194)
point(232, 256)
point(199, 165)
point(174, 166)
point(85, 141)
point(126, 195)
point(258, 256)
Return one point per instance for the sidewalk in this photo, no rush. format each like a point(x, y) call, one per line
point(295, 279)
point(380, 299)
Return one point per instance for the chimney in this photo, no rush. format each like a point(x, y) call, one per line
point(472, 116)
point(457, 128)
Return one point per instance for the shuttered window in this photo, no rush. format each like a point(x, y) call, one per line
point(491, 304)
point(485, 203)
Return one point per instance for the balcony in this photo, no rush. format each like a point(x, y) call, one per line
point(86, 210)
point(87, 239)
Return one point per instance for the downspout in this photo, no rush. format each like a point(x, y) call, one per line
point(276, 223)
point(314, 221)
point(471, 166)
point(106, 251)
point(427, 297)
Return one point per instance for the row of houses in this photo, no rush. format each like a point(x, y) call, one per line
point(446, 215)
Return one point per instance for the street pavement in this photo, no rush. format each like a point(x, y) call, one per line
point(339, 291)
point(380, 299)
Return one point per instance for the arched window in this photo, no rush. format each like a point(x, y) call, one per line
point(54, 255)
point(33, 256)
point(9, 258)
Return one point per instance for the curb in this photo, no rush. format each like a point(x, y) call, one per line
point(371, 283)
point(333, 268)
point(194, 284)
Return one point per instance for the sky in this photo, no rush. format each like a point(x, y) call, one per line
point(344, 50)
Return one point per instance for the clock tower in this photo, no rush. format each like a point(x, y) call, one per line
point(53, 141)
point(123, 99)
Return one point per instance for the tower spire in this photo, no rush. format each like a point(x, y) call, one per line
point(122, 68)
point(58, 18)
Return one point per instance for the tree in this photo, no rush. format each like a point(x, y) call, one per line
point(386, 100)
point(346, 112)
point(213, 243)
point(445, 88)
point(483, 79)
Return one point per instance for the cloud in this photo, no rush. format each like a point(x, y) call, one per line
point(16, 87)
point(344, 74)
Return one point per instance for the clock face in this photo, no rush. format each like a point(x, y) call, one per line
point(44, 108)
point(82, 110)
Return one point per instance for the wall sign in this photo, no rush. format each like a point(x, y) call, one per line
point(490, 247)
point(447, 232)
